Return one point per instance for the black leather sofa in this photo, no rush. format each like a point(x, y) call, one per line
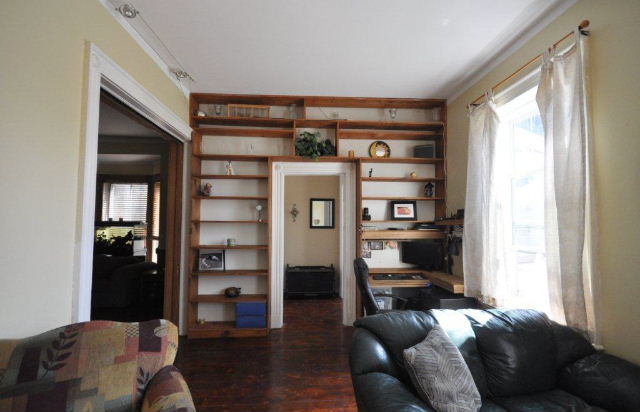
point(519, 360)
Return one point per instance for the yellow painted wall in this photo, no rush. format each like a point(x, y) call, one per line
point(43, 50)
point(615, 87)
point(304, 246)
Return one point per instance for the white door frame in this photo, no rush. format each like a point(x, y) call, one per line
point(347, 246)
point(104, 73)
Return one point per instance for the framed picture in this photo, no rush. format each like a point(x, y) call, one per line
point(211, 260)
point(366, 254)
point(376, 245)
point(322, 213)
point(403, 210)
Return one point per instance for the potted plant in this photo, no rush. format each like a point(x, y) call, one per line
point(308, 145)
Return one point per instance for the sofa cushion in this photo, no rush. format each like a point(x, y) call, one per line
point(381, 392)
point(550, 401)
point(604, 380)
point(440, 374)
point(461, 334)
point(398, 330)
point(518, 350)
point(98, 365)
point(571, 345)
point(167, 392)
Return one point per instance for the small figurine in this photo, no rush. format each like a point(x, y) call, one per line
point(428, 189)
point(413, 175)
point(365, 214)
point(259, 209)
point(229, 168)
point(371, 172)
point(207, 189)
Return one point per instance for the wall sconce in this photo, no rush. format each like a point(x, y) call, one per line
point(294, 212)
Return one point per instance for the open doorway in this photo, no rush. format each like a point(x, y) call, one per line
point(135, 274)
point(312, 252)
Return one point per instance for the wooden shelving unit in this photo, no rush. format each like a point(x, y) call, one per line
point(345, 133)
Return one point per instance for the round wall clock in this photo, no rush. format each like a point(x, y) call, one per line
point(379, 149)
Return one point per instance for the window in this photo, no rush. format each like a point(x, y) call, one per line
point(126, 201)
point(522, 162)
point(155, 222)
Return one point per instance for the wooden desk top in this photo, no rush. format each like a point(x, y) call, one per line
point(452, 283)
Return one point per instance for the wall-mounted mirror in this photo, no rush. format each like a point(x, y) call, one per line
point(322, 212)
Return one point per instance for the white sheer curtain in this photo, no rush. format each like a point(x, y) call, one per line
point(487, 233)
point(570, 226)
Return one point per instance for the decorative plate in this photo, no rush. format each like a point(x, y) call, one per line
point(379, 149)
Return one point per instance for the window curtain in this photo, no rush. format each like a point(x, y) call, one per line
point(487, 233)
point(570, 226)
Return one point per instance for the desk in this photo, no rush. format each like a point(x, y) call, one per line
point(452, 283)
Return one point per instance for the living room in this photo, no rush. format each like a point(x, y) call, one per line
point(414, 140)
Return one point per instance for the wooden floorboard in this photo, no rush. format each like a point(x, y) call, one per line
point(301, 367)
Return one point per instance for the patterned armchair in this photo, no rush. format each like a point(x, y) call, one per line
point(94, 366)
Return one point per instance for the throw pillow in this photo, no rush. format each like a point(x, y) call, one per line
point(441, 375)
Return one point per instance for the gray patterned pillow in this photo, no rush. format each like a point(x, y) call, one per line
point(440, 374)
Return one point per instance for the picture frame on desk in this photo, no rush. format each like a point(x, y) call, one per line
point(211, 260)
point(403, 210)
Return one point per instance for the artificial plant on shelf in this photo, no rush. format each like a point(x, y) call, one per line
point(308, 145)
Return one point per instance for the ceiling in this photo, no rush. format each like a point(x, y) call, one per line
point(114, 123)
point(382, 48)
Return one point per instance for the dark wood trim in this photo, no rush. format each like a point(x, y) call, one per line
point(173, 237)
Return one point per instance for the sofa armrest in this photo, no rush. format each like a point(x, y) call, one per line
point(368, 354)
point(379, 392)
point(605, 381)
point(167, 391)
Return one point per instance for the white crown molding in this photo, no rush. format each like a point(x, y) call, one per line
point(508, 45)
point(347, 246)
point(162, 64)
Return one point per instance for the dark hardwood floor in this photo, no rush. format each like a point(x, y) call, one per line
point(301, 367)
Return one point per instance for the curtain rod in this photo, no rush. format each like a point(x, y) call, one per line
point(583, 25)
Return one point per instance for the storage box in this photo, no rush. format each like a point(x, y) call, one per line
point(251, 322)
point(251, 309)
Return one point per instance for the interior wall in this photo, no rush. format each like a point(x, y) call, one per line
point(615, 59)
point(305, 246)
point(43, 67)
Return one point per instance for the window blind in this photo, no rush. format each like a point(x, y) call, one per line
point(126, 201)
point(155, 219)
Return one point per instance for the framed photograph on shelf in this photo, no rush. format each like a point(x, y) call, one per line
point(211, 260)
point(376, 245)
point(403, 210)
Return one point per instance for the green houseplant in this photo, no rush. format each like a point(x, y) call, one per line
point(308, 145)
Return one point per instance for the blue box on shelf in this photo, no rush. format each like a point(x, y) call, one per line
point(251, 309)
point(251, 321)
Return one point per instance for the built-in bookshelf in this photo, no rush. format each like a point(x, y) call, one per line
point(253, 143)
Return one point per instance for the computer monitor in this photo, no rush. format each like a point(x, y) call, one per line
point(424, 253)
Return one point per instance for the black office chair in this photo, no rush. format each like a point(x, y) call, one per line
point(368, 297)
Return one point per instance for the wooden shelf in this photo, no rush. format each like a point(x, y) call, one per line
point(369, 124)
point(417, 198)
point(316, 123)
point(402, 234)
point(225, 299)
point(223, 330)
point(234, 272)
point(402, 179)
point(450, 222)
point(257, 222)
point(232, 177)
point(385, 135)
point(241, 121)
point(239, 247)
point(397, 221)
point(231, 197)
point(236, 157)
point(397, 283)
point(412, 160)
point(452, 283)
point(243, 132)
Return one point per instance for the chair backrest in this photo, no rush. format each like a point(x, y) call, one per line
point(362, 278)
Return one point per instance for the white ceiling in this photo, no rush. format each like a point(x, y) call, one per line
point(402, 48)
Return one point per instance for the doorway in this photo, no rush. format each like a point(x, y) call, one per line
point(345, 222)
point(138, 198)
point(311, 251)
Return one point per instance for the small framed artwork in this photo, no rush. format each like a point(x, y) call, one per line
point(366, 254)
point(211, 260)
point(403, 210)
point(376, 245)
